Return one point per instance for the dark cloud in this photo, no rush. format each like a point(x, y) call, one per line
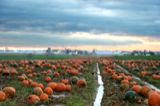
point(63, 16)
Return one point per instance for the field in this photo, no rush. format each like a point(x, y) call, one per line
point(72, 80)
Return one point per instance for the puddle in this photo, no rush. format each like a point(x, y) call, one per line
point(100, 89)
point(59, 96)
point(137, 78)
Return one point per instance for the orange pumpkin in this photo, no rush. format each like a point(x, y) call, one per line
point(124, 87)
point(48, 90)
point(2, 96)
point(137, 88)
point(43, 97)
point(25, 83)
point(32, 99)
point(40, 85)
point(65, 81)
point(9, 91)
point(154, 99)
point(48, 79)
point(21, 78)
point(52, 85)
point(56, 74)
point(145, 90)
point(68, 87)
point(81, 83)
point(38, 91)
point(60, 87)
point(34, 84)
point(125, 81)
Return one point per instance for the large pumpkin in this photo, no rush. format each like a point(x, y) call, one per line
point(60, 87)
point(32, 99)
point(9, 91)
point(2, 96)
point(43, 97)
point(48, 90)
point(52, 85)
point(154, 99)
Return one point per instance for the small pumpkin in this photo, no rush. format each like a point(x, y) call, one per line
point(25, 83)
point(48, 79)
point(81, 83)
point(43, 97)
point(145, 90)
point(2, 96)
point(136, 88)
point(40, 85)
point(130, 96)
point(34, 84)
point(56, 74)
point(9, 91)
point(48, 90)
point(65, 81)
point(74, 80)
point(32, 99)
point(68, 87)
point(38, 91)
point(124, 87)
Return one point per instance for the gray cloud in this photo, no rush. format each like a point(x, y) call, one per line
point(129, 17)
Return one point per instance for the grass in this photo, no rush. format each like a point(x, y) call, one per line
point(84, 97)
point(130, 57)
point(77, 96)
point(35, 57)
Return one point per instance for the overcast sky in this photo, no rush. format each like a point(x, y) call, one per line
point(82, 24)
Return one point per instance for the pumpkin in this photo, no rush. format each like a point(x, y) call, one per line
point(73, 72)
point(130, 96)
point(60, 87)
point(43, 97)
point(9, 91)
point(145, 90)
point(13, 72)
point(40, 85)
point(156, 77)
point(65, 81)
point(154, 99)
point(25, 83)
point(68, 87)
point(2, 96)
point(21, 78)
point(81, 83)
point(32, 99)
point(34, 84)
point(124, 87)
point(38, 91)
point(52, 85)
point(48, 79)
point(74, 79)
point(48, 90)
point(125, 81)
point(56, 74)
point(137, 88)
